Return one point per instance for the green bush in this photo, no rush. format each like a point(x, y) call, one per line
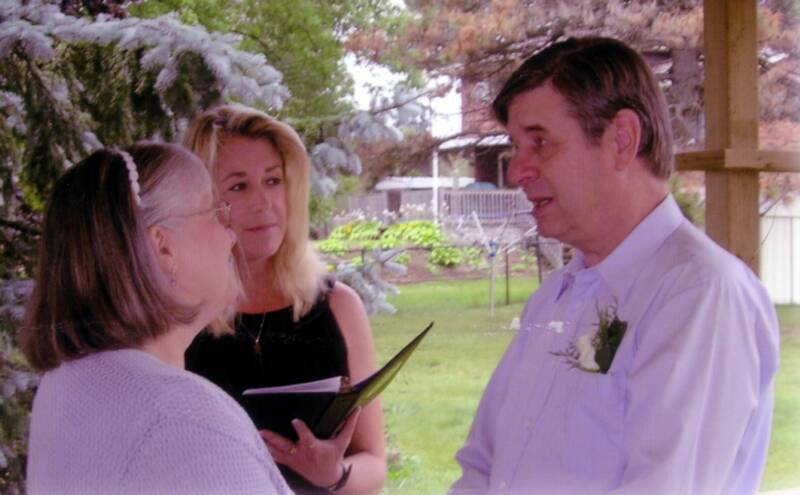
point(334, 247)
point(474, 257)
point(420, 233)
point(446, 256)
point(691, 202)
point(402, 258)
point(369, 235)
point(357, 230)
point(359, 234)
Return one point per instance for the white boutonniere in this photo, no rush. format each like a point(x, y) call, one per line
point(594, 352)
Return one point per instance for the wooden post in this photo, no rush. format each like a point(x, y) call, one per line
point(508, 281)
point(731, 111)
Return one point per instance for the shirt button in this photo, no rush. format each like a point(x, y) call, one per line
point(502, 485)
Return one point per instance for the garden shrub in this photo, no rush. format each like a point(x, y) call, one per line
point(402, 258)
point(474, 257)
point(357, 230)
point(446, 256)
point(334, 247)
point(419, 233)
point(369, 235)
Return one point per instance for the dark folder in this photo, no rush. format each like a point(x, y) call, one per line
point(324, 411)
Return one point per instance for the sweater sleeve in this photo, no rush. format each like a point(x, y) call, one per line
point(177, 456)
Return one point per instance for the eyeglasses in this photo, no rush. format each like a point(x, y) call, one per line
point(222, 211)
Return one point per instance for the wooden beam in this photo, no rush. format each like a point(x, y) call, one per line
point(731, 110)
point(739, 159)
point(732, 218)
point(731, 67)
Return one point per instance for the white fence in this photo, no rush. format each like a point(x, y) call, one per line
point(490, 206)
point(372, 204)
point(780, 252)
point(780, 227)
point(455, 206)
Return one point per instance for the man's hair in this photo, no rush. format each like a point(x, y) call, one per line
point(297, 268)
point(99, 285)
point(599, 77)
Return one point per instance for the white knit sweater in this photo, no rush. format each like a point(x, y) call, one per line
point(120, 422)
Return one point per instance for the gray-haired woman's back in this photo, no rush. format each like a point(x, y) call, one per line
point(124, 422)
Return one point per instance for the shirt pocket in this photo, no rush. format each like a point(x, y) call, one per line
point(596, 425)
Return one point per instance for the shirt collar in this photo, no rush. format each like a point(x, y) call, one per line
point(620, 268)
point(574, 266)
point(623, 265)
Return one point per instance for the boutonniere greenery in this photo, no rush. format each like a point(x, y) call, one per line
point(594, 352)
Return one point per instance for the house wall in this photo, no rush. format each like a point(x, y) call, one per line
point(486, 169)
point(476, 117)
point(476, 102)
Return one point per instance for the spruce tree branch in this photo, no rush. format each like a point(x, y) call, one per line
point(19, 226)
point(338, 118)
point(402, 103)
point(263, 44)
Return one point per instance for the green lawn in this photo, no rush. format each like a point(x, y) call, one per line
point(784, 450)
point(430, 405)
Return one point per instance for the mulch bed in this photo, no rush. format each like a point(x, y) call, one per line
point(419, 269)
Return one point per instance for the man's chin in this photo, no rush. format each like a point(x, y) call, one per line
point(545, 229)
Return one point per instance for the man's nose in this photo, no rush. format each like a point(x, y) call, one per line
point(522, 169)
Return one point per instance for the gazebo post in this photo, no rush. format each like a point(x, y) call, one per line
point(731, 108)
point(732, 159)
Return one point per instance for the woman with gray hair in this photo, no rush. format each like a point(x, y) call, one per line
point(135, 261)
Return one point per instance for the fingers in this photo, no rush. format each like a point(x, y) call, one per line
point(279, 441)
point(346, 433)
point(281, 448)
point(304, 435)
point(317, 460)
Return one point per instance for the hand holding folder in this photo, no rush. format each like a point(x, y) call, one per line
point(323, 405)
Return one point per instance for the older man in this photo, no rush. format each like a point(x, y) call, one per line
point(646, 365)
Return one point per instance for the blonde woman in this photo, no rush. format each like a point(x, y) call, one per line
point(294, 324)
point(135, 261)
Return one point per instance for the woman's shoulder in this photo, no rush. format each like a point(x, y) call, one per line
point(130, 392)
point(343, 298)
point(334, 297)
point(158, 389)
point(197, 424)
point(190, 397)
point(349, 312)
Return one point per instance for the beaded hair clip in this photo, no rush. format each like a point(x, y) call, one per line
point(133, 175)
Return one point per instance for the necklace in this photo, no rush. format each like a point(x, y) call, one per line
point(257, 340)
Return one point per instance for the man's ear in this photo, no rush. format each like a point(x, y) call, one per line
point(627, 135)
point(162, 246)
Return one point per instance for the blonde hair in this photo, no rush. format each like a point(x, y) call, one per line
point(297, 268)
point(98, 282)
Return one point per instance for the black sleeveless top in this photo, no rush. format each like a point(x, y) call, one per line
point(291, 352)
